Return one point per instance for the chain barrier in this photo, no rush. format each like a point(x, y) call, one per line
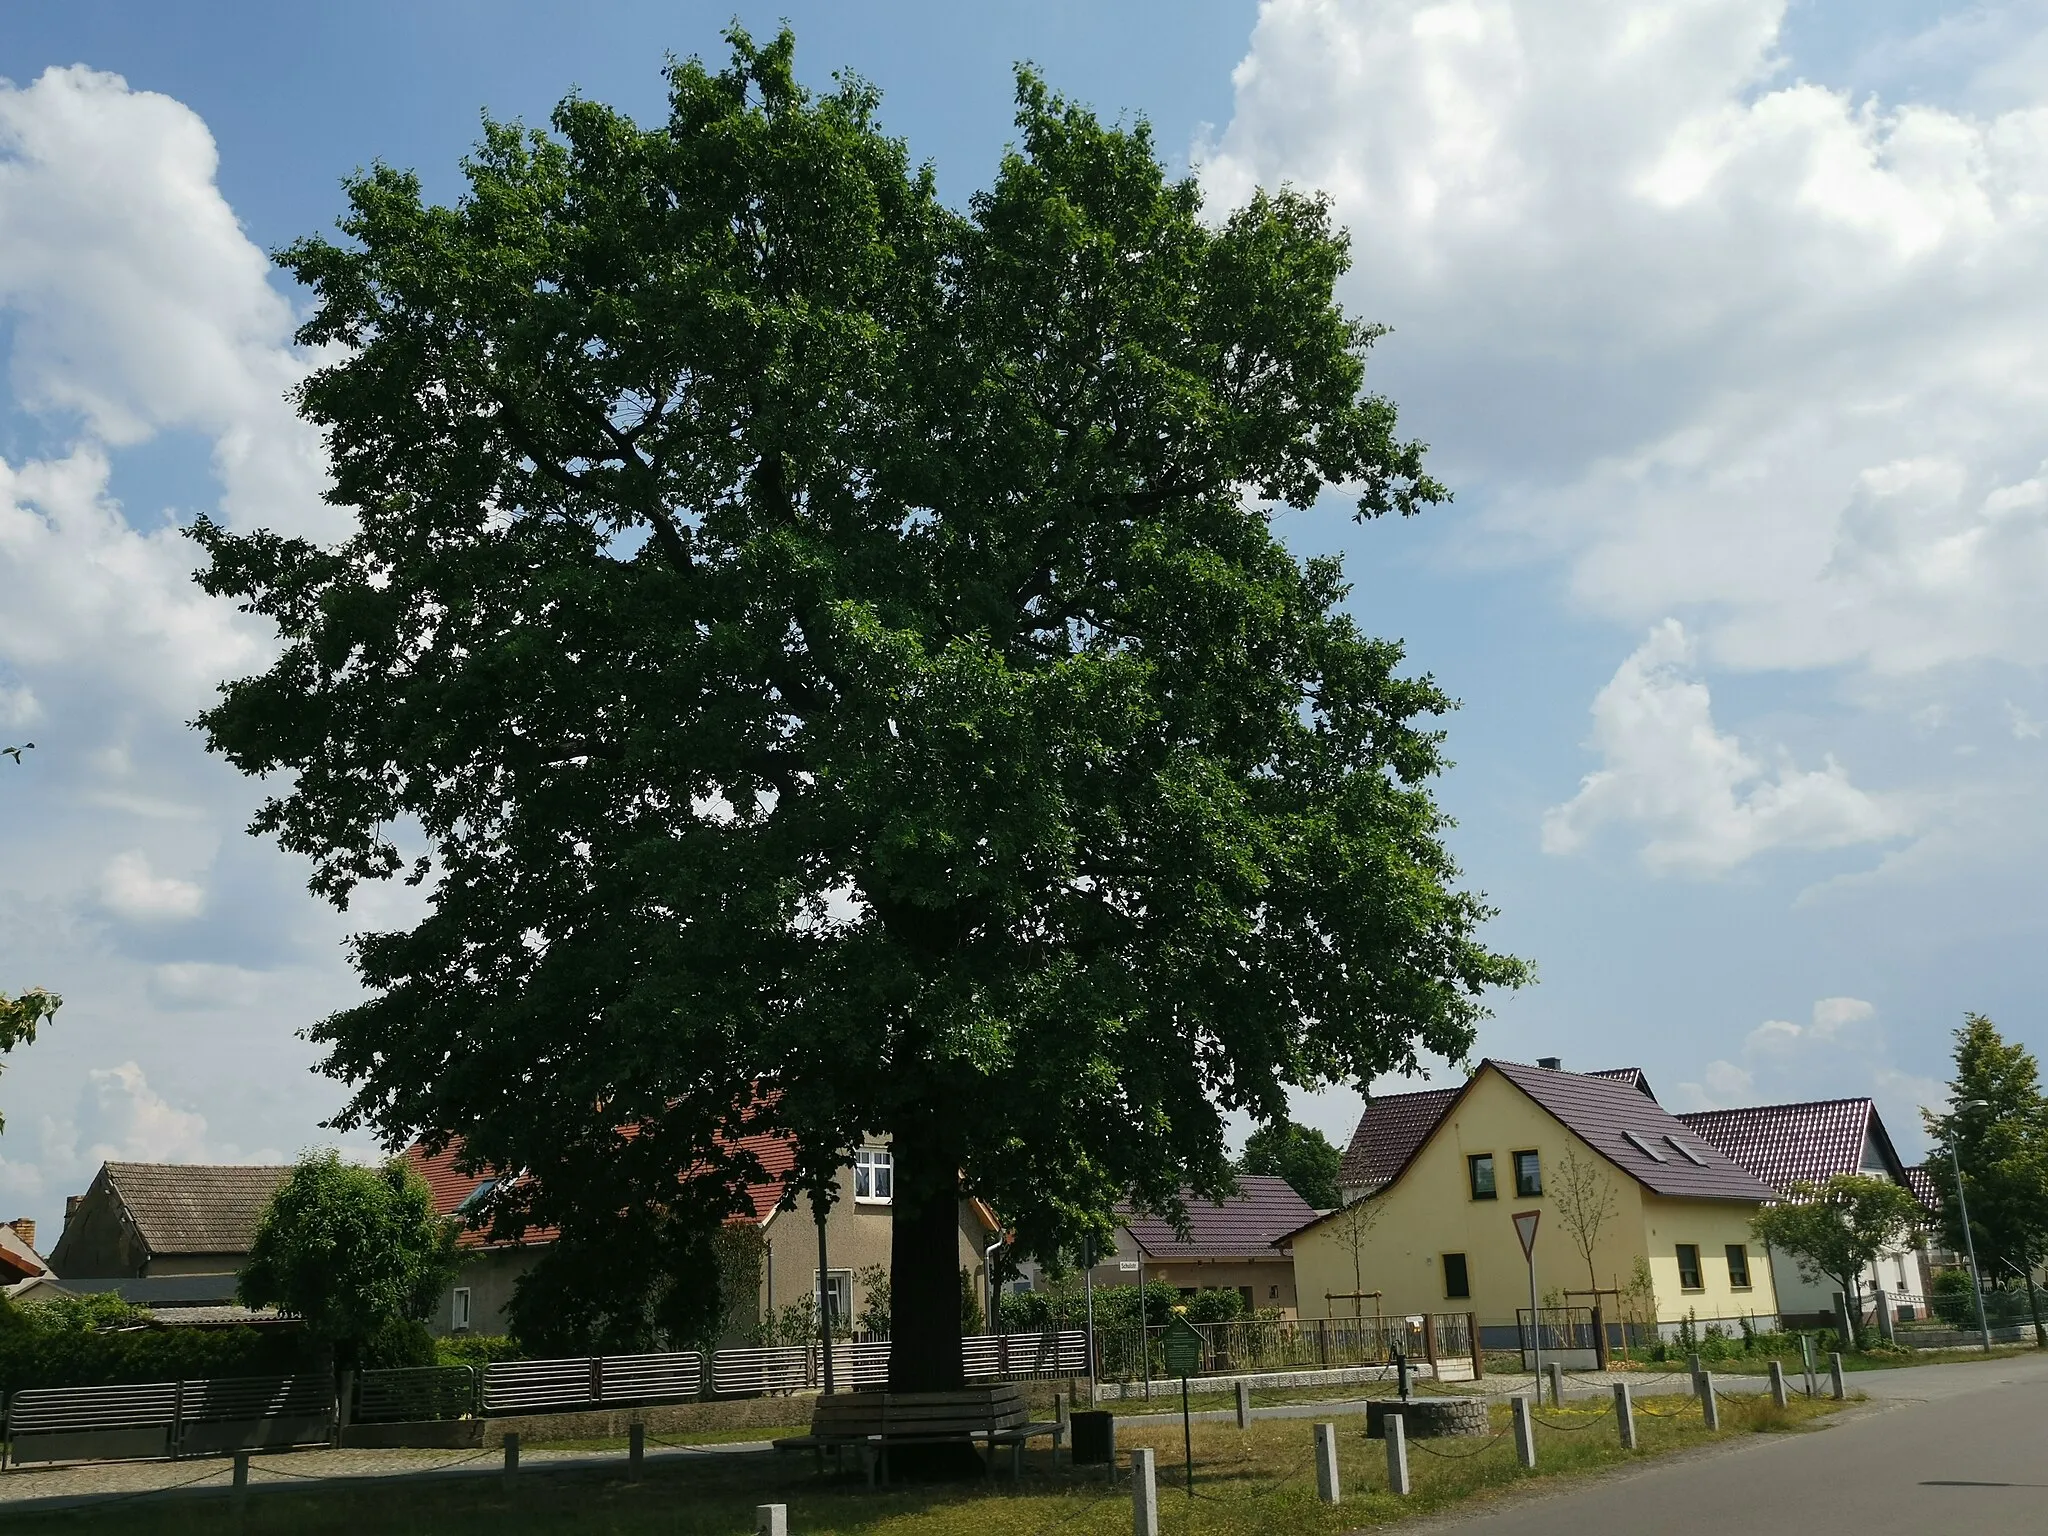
point(329, 1477)
point(1424, 1447)
point(1653, 1413)
point(1574, 1428)
point(101, 1501)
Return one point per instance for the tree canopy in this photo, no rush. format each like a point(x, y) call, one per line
point(351, 1250)
point(1997, 1131)
point(1838, 1228)
point(827, 658)
point(1300, 1154)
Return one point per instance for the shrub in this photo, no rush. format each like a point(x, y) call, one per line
point(98, 1341)
point(1954, 1299)
point(475, 1349)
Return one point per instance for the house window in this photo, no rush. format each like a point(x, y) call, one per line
point(1479, 1169)
point(1457, 1284)
point(458, 1318)
point(874, 1175)
point(838, 1298)
point(1689, 1268)
point(1528, 1174)
point(1738, 1266)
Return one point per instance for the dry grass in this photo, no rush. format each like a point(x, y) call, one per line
point(1258, 1480)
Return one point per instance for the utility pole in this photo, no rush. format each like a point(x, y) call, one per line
point(1969, 1238)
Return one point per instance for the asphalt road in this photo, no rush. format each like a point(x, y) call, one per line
point(1958, 1448)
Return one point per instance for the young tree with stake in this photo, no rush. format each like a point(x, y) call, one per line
point(836, 656)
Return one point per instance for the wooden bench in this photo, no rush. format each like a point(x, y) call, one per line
point(872, 1422)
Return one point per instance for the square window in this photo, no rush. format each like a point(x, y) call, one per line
point(1738, 1266)
point(1528, 1174)
point(1689, 1268)
point(458, 1319)
point(838, 1296)
point(874, 1175)
point(1457, 1283)
point(1479, 1169)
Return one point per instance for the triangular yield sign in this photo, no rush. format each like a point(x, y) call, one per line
point(1525, 1229)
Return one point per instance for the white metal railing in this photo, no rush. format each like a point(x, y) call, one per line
point(590, 1381)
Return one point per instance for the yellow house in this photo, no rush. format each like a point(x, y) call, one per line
point(1435, 1178)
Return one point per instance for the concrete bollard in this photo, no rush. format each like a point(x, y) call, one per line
point(1525, 1432)
point(1144, 1492)
point(1625, 1415)
point(1327, 1487)
point(511, 1458)
point(1244, 1405)
point(636, 1450)
point(1778, 1384)
point(1835, 1377)
point(1060, 1432)
point(241, 1477)
point(1692, 1365)
point(1555, 1373)
point(771, 1520)
point(1710, 1406)
point(1395, 1428)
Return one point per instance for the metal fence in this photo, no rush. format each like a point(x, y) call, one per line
point(865, 1363)
point(1303, 1344)
point(169, 1418)
point(593, 1381)
point(414, 1393)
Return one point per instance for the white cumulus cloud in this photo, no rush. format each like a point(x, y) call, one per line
point(131, 889)
point(1704, 802)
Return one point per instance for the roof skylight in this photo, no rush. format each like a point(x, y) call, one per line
point(1644, 1147)
point(1686, 1152)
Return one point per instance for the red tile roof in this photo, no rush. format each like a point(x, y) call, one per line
point(1264, 1210)
point(1787, 1144)
point(775, 1152)
point(1389, 1131)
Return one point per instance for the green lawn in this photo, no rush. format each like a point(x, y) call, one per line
point(1256, 1481)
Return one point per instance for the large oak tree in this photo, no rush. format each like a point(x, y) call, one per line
point(810, 639)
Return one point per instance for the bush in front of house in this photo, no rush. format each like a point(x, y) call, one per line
point(101, 1341)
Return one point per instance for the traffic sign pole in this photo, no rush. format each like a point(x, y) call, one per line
point(1525, 1228)
point(1182, 1347)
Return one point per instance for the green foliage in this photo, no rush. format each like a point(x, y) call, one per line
point(94, 1341)
point(2001, 1143)
point(1215, 1305)
point(20, 1016)
point(1839, 1228)
point(624, 1282)
point(873, 1317)
point(832, 640)
point(972, 1318)
point(1300, 1154)
point(475, 1349)
point(355, 1252)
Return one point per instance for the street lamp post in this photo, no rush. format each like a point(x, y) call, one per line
point(1969, 1238)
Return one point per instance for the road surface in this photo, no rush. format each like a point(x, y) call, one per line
point(1950, 1448)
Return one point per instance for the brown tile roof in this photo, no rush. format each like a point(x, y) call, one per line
point(1389, 1131)
point(1605, 1113)
point(1787, 1144)
point(1264, 1210)
point(195, 1207)
point(18, 1261)
point(1633, 1076)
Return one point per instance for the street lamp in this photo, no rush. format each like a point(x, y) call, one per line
point(1963, 1205)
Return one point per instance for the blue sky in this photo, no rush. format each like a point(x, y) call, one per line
point(1723, 319)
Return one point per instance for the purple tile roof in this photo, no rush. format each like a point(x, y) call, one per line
point(1787, 1144)
point(1605, 1112)
point(1265, 1210)
point(1388, 1133)
point(1921, 1182)
point(1633, 1076)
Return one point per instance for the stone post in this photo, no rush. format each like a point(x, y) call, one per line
point(636, 1450)
point(1525, 1431)
point(1835, 1377)
point(241, 1477)
point(1554, 1373)
point(1710, 1406)
point(1625, 1415)
point(1478, 1354)
point(511, 1457)
point(1244, 1405)
point(1328, 1489)
point(1395, 1428)
point(1884, 1318)
point(771, 1520)
point(1778, 1383)
point(1144, 1492)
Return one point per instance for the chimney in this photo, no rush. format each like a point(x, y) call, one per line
point(1551, 1063)
point(24, 1227)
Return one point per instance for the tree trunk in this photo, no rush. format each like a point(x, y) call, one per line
point(924, 1268)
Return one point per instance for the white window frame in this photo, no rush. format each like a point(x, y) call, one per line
point(868, 1162)
point(458, 1311)
point(841, 1282)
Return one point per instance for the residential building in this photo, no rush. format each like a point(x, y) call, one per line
point(19, 1260)
point(1444, 1170)
point(149, 1220)
point(1239, 1244)
point(858, 1231)
point(1810, 1143)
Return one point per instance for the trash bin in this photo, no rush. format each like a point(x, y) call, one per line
point(1094, 1438)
